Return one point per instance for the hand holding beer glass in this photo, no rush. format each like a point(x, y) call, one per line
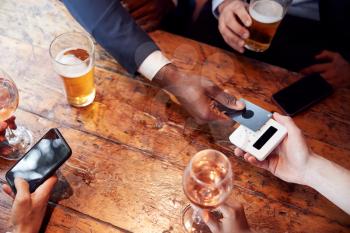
point(266, 16)
point(207, 183)
point(252, 28)
point(72, 56)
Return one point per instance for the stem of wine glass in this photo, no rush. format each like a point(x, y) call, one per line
point(196, 216)
point(19, 140)
point(11, 134)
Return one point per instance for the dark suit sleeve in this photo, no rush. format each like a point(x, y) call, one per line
point(112, 27)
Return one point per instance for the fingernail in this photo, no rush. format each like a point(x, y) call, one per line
point(246, 35)
point(248, 23)
point(240, 103)
point(241, 43)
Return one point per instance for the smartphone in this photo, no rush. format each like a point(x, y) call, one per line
point(41, 161)
point(302, 94)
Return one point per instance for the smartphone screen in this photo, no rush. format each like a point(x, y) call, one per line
point(302, 94)
point(41, 161)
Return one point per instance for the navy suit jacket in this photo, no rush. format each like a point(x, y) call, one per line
point(112, 27)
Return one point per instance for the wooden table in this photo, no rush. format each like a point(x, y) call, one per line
point(132, 144)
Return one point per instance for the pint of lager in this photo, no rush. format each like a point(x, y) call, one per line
point(73, 59)
point(266, 16)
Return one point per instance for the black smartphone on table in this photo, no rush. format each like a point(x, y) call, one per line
point(41, 161)
point(302, 94)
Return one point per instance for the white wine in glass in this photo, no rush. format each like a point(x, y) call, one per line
point(18, 140)
point(207, 183)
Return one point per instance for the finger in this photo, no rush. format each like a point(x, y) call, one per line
point(224, 98)
point(211, 222)
point(330, 76)
point(253, 161)
point(286, 121)
point(326, 55)
point(235, 26)
point(242, 13)
point(7, 189)
point(3, 126)
point(317, 68)
point(208, 113)
point(44, 190)
point(232, 39)
point(216, 114)
point(234, 213)
point(22, 188)
point(238, 152)
point(246, 156)
point(228, 211)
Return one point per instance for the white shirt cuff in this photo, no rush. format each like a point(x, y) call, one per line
point(215, 6)
point(152, 64)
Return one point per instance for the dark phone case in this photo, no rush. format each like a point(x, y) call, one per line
point(321, 97)
point(50, 173)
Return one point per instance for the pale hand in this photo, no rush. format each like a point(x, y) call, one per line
point(28, 209)
point(290, 159)
point(234, 219)
point(231, 14)
point(334, 68)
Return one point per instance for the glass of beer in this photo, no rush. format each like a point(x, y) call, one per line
point(73, 58)
point(207, 183)
point(266, 16)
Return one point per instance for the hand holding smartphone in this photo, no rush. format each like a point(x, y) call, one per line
point(41, 161)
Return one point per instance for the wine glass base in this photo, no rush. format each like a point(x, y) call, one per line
point(192, 222)
point(19, 141)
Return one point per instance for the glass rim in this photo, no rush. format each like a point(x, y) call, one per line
point(227, 176)
point(91, 53)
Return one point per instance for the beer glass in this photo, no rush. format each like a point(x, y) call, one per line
point(207, 183)
point(17, 141)
point(266, 16)
point(73, 59)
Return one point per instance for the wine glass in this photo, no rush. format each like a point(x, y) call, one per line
point(207, 183)
point(17, 141)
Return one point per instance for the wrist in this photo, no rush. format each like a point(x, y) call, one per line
point(312, 170)
point(167, 77)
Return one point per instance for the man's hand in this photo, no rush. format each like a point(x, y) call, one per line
point(28, 209)
point(234, 219)
point(290, 159)
point(334, 68)
point(196, 94)
point(233, 22)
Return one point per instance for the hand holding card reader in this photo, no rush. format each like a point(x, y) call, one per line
point(258, 133)
point(260, 143)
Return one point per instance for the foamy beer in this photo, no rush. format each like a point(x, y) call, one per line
point(266, 16)
point(73, 59)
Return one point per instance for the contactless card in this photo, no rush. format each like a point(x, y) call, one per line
point(252, 117)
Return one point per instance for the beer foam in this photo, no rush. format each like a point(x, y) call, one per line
point(69, 65)
point(266, 11)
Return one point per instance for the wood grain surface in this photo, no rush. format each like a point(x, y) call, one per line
point(131, 145)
